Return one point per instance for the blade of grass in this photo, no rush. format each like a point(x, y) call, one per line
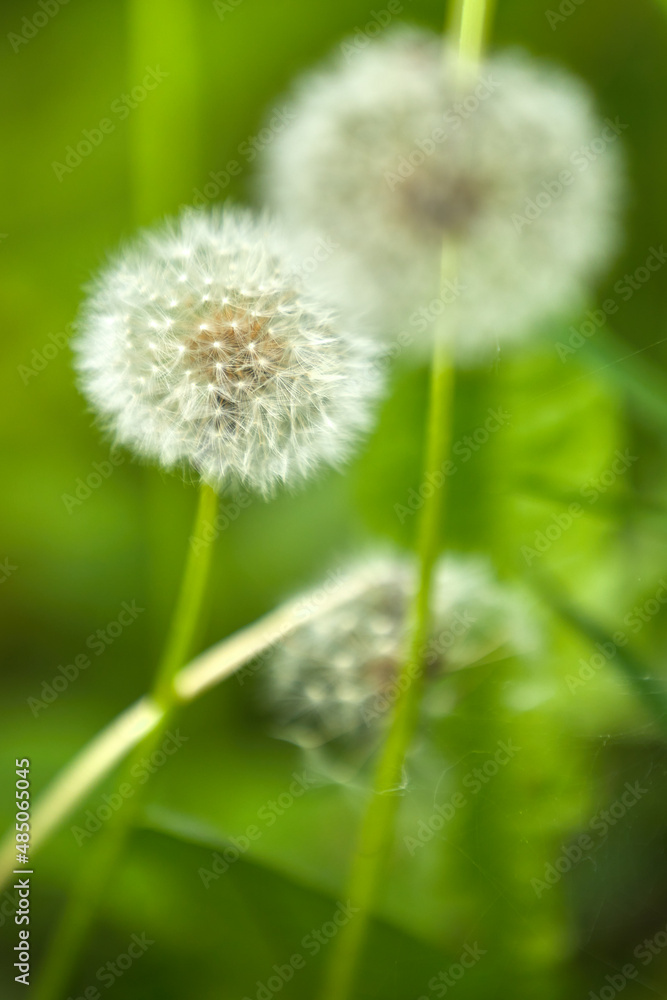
point(650, 690)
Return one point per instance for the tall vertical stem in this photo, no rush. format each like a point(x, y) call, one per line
point(165, 145)
point(377, 827)
point(190, 601)
point(164, 152)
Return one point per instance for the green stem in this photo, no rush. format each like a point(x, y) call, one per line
point(164, 148)
point(376, 834)
point(165, 152)
point(165, 129)
point(470, 23)
point(377, 827)
point(70, 934)
point(193, 586)
point(109, 748)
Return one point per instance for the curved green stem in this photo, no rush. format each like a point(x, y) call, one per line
point(98, 866)
point(110, 747)
point(377, 827)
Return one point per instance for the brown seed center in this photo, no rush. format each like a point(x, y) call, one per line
point(234, 346)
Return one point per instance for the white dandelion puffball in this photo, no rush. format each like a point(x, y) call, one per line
point(336, 675)
point(515, 174)
point(204, 343)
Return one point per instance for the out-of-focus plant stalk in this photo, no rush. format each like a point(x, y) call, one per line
point(165, 129)
point(377, 828)
point(471, 23)
point(98, 866)
point(164, 149)
point(111, 746)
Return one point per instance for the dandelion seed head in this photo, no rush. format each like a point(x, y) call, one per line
point(201, 343)
point(335, 677)
point(385, 154)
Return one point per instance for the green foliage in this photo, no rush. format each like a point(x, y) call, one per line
point(76, 562)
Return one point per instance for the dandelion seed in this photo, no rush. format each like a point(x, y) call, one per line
point(387, 158)
point(208, 387)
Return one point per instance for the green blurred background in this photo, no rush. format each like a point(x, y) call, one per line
point(71, 566)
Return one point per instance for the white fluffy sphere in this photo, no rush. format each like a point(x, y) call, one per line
point(516, 174)
point(204, 342)
point(335, 676)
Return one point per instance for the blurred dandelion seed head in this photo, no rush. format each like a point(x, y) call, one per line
point(202, 343)
point(336, 675)
point(385, 154)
